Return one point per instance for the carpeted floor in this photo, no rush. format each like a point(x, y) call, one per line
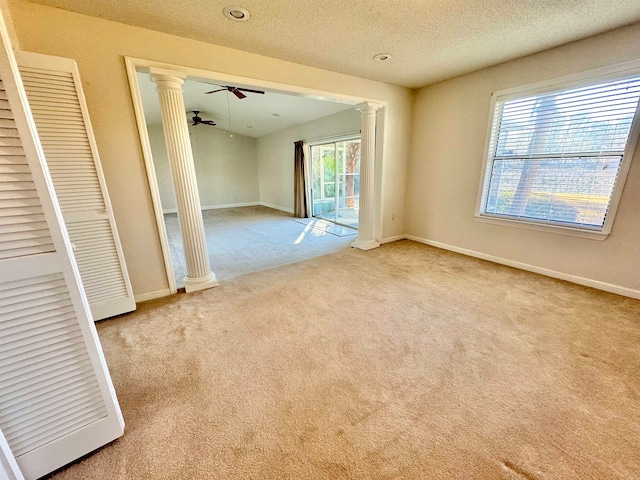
point(401, 362)
point(248, 239)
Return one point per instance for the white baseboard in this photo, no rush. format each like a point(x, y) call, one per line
point(230, 205)
point(234, 205)
point(395, 238)
point(215, 207)
point(587, 282)
point(276, 207)
point(143, 297)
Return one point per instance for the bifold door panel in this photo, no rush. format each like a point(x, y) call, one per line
point(57, 402)
point(57, 102)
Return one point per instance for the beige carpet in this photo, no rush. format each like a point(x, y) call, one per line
point(401, 362)
point(242, 240)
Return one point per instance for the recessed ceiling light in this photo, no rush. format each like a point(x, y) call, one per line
point(237, 14)
point(382, 57)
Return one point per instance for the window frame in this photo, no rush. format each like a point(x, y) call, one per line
point(583, 79)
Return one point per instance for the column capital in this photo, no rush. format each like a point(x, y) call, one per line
point(368, 107)
point(167, 79)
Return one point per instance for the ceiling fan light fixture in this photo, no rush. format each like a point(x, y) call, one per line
point(236, 13)
point(382, 57)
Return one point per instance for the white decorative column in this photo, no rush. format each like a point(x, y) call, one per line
point(365, 240)
point(176, 136)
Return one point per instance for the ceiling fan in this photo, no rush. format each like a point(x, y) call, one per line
point(197, 120)
point(237, 91)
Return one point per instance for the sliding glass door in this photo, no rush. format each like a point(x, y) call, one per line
point(335, 169)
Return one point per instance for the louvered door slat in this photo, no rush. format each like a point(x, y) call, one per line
point(71, 386)
point(42, 233)
point(51, 289)
point(4, 150)
point(50, 357)
point(44, 318)
point(8, 132)
point(40, 328)
point(55, 123)
point(29, 375)
point(19, 200)
point(6, 141)
point(58, 428)
point(47, 81)
point(14, 168)
point(13, 160)
point(29, 309)
point(102, 277)
point(28, 422)
point(45, 89)
point(41, 325)
point(65, 133)
point(20, 210)
point(31, 423)
point(33, 241)
point(33, 399)
point(23, 219)
point(21, 353)
point(9, 185)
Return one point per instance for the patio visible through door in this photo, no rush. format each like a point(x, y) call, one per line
point(335, 169)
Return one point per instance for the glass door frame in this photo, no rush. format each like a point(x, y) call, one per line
point(356, 136)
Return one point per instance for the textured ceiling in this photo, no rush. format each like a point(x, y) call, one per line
point(252, 116)
point(430, 40)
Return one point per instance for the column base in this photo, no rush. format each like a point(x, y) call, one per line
point(201, 283)
point(365, 244)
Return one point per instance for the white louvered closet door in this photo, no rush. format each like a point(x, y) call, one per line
point(57, 402)
point(60, 112)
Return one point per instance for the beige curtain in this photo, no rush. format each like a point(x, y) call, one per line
point(301, 201)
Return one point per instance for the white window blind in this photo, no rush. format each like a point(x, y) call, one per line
point(555, 158)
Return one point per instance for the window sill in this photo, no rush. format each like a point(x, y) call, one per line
point(549, 228)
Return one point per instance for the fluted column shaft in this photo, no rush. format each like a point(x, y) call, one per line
point(365, 240)
point(176, 135)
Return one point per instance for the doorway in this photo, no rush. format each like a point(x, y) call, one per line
point(335, 173)
point(272, 169)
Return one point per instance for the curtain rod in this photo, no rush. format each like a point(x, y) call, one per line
point(333, 138)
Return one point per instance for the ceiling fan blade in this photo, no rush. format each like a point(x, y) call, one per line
point(252, 91)
point(214, 91)
point(209, 122)
point(238, 93)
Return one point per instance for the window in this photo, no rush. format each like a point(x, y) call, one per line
point(558, 156)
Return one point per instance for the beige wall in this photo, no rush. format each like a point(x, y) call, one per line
point(275, 154)
point(98, 46)
point(226, 167)
point(449, 129)
point(243, 169)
